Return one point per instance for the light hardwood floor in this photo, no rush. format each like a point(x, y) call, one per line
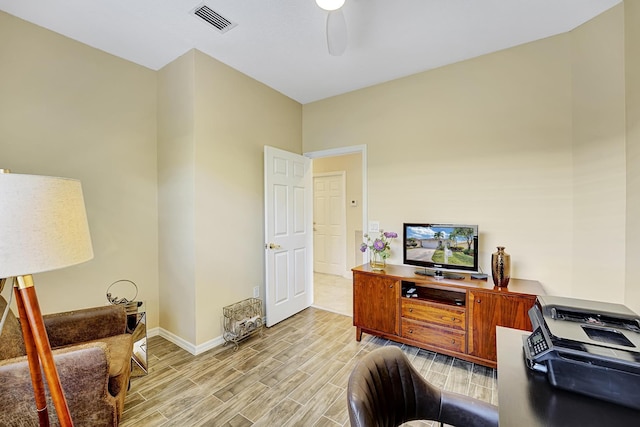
point(295, 375)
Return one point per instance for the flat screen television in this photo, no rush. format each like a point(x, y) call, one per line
point(441, 247)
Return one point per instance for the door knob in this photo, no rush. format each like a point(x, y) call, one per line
point(272, 246)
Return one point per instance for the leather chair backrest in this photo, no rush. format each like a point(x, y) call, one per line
point(385, 390)
point(11, 341)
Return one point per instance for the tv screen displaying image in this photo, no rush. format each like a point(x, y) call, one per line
point(441, 246)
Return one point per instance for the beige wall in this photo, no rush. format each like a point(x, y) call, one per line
point(485, 141)
point(632, 77)
point(351, 164)
point(527, 142)
point(598, 102)
point(508, 140)
point(70, 110)
point(176, 197)
point(236, 116)
point(211, 189)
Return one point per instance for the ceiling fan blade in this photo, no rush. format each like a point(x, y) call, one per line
point(337, 36)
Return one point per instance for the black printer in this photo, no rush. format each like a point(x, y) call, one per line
point(587, 347)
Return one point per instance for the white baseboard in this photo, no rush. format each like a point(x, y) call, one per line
point(209, 345)
point(185, 345)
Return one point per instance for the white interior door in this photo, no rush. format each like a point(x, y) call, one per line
point(288, 234)
point(329, 223)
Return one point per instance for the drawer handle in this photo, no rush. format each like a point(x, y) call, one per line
point(453, 341)
point(390, 286)
point(478, 300)
point(410, 331)
point(411, 310)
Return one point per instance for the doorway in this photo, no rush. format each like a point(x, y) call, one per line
point(333, 286)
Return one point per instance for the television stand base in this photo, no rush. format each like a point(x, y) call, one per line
point(440, 274)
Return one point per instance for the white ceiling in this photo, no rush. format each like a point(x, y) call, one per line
point(282, 42)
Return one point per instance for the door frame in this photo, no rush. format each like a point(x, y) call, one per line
point(353, 149)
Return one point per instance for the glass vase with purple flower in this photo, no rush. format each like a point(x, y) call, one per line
point(379, 248)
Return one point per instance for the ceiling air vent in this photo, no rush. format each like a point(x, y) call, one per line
point(212, 17)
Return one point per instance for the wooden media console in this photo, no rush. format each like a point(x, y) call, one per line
point(457, 317)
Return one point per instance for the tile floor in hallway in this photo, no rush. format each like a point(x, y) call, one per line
point(333, 293)
point(294, 375)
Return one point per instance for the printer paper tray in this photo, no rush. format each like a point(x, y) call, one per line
point(605, 383)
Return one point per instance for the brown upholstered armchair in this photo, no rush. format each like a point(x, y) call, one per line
point(92, 352)
point(385, 390)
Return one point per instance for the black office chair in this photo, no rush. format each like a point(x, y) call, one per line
point(385, 390)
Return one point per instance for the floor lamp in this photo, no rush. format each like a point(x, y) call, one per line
point(43, 227)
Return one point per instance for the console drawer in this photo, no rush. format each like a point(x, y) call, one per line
point(433, 313)
point(450, 339)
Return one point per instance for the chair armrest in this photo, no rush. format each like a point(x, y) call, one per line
point(83, 372)
point(460, 410)
point(74, 327)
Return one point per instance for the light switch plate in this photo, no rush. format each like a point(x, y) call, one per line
point(374, 226)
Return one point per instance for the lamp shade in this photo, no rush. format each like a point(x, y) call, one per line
point(43, 224)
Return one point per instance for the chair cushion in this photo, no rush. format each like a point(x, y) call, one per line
point(11, 342)
point(119, 350)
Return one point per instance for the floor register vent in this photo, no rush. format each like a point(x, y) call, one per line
point(213, 18)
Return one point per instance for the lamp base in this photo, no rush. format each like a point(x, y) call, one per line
point(39, 351)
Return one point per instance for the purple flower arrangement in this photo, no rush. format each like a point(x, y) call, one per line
point(380, 245)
